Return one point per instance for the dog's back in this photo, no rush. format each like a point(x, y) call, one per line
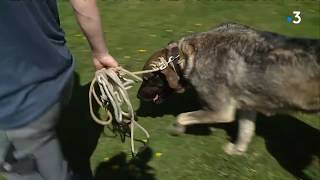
point(261, 70)
point(290, 72)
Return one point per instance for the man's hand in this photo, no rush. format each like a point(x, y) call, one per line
point(87, 14)
point(104, 61)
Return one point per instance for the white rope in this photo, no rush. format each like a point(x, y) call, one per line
point(113, 92)
point(113, 88)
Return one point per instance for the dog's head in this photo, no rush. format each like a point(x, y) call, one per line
point(156, 86)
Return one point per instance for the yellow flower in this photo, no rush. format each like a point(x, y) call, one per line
point(158, 154)
point(142, 50)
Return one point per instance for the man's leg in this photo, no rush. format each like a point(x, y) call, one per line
point(4, 146)
point(37, 149)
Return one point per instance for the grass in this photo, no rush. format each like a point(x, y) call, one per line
point(284, 148)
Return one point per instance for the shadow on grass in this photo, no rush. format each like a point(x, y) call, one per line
point(180, 103)
point(79, 135)
point(175, 104)
point(119, 168)
point(290, 141)
point(77, 131)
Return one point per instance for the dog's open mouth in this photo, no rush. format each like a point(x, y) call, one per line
point(157, 99)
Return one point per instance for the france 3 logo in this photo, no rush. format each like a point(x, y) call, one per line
point(296, 18)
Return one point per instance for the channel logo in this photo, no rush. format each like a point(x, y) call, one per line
point(296, 18)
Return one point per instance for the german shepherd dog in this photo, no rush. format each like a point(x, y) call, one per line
point(235, 68)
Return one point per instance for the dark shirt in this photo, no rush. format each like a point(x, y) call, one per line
point(35, 63)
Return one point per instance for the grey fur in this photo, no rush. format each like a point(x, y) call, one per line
point(260, 71)
point(237, 68)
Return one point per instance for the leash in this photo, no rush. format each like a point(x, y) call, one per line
point(113, 85)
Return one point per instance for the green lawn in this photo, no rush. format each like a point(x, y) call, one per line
point(284, 147)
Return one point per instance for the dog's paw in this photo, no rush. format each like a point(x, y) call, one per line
point(176, 129)
point(232, 149)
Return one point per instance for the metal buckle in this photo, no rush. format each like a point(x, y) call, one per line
point(171, 58)
point(162, 66)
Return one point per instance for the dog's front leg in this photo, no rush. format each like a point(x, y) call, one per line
point(245, 133)
point(205, 117)
point(201, 117)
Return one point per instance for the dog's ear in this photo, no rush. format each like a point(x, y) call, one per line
point(171, 76)
point(173, 49)
point(173, 80)
point(187, 54)
point(187, 48)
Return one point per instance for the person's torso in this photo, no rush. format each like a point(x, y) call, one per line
point(35, 63)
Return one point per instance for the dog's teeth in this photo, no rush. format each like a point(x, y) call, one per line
point(156, 98)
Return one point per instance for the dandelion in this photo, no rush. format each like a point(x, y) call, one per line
point(142, 50)
point(158, 154)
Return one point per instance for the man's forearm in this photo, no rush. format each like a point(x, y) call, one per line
point(87, 14)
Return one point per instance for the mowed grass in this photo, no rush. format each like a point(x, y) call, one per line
point(284, 148)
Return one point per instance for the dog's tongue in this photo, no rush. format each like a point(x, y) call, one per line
point(156, 98)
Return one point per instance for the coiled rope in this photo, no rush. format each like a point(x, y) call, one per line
point(113, 96)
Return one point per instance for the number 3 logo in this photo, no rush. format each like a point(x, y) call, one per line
point(297, 16)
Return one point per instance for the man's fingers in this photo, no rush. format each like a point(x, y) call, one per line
point(105, 61)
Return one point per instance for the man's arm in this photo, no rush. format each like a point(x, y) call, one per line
point(87, 14)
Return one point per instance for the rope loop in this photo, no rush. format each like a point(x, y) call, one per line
point(113, 96)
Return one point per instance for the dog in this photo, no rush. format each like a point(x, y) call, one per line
point(238, 69)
